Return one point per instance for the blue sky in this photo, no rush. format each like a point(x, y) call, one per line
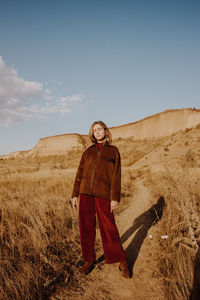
point(65, 64)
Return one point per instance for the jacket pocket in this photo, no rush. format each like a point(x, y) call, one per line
point(108, 159)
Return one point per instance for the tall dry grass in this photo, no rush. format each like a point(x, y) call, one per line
point(39, 236)
point(178, 258)
point(38, 244)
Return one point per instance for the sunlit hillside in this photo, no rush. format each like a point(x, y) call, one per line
point(155, 126)
point(158, 220)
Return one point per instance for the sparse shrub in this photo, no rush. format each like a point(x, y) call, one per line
point(197, 126)
point(190, 158)
point(188, 130)
point(128, 179)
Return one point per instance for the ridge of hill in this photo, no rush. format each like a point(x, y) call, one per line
point(159, 125)
point(155, 126)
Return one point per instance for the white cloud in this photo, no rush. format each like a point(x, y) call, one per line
point(22, 100)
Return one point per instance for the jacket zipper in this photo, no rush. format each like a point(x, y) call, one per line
point(94, 170)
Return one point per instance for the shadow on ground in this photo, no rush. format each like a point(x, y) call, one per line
point(195, 292)
point(142, 224)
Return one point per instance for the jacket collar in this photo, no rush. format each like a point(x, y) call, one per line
point(104, 144)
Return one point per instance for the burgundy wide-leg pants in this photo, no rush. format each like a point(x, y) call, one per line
point(89, 207)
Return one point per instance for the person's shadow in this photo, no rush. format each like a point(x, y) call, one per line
point(195, 292)
point(143, 223)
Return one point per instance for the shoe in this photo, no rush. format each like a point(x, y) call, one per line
point(86, 268)
point(123, 267)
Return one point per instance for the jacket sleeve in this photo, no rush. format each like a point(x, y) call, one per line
point(115, 191)
point(79, 174)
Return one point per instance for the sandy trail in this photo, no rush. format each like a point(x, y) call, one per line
point(105, 281)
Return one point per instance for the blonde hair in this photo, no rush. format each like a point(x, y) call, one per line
point(108, 136)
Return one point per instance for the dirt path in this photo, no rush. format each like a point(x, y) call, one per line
point(105, 281)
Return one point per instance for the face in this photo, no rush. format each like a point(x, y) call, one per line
point(99, 132)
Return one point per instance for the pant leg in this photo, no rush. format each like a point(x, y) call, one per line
point(113, 249)
point(87, 226)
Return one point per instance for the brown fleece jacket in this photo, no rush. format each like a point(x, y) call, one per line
point(99, 173)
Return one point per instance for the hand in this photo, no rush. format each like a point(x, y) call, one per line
point(113, 205)
point(75, 202)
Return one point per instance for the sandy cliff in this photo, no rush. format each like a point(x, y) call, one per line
point(55, 145)
point(158, 125)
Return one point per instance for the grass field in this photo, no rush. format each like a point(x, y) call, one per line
point(39, 238)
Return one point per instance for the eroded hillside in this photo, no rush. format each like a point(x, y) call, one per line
point(157, 126)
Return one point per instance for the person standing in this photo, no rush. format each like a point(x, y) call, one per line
point(96, 191)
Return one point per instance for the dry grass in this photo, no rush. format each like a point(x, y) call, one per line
point(38, 244)
point(132, 150)
point(39, 236)
point(177, 265)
